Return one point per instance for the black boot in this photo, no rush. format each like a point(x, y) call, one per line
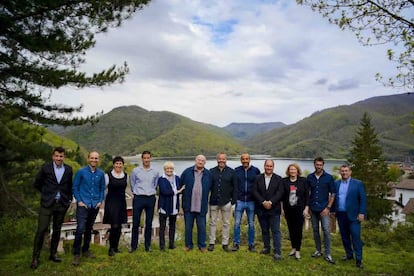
point(114, 235)
point(35, 263)
point(117, 236)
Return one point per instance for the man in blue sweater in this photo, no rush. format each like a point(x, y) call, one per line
point(89, 192)
point(246, 177)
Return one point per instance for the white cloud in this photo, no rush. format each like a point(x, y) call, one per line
point(232, 61)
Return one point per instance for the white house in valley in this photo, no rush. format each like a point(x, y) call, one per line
point(404, 191)
point(402, 194)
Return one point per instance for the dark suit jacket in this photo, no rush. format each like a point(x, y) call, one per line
point(302, 192)
point(274, 193)
point(48, 186)
point(356, 200)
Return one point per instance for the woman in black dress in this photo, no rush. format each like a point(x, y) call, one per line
point(295, 205)
point(115, 203)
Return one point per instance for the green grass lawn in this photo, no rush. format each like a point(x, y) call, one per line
point(378, 260)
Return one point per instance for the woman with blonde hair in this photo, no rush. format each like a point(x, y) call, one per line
point(168, 203)
point(295, 205)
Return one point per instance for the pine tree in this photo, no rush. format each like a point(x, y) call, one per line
point(42, 48)
point(369, 166)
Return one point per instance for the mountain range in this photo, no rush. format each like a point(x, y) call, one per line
point(128, 130)
point(245, 131)
point(330, 132)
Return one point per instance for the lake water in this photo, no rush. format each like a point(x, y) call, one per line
point(280, 164)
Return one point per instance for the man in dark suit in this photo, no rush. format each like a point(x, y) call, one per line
point(268, 192)
point(350, 205)
point(54, 181)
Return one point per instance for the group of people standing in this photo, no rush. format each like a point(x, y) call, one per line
point(203, 192)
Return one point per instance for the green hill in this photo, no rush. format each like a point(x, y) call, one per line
point(329, 132)
point(75, 155)
point(128, 130)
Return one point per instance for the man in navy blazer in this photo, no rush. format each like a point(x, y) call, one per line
point(54, 181)
point(268, 193)
point(350, 205)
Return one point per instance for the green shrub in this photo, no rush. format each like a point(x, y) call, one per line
point(16, 233)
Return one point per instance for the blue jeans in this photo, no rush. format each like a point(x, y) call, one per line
point(139, 204)
point(85, 218)
point(189, 218)
point(240, 207)
point(350, 234)
point(272, 222)
point(316, 218)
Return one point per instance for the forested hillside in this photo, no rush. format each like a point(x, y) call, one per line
point(329, 132)
point(128, 130)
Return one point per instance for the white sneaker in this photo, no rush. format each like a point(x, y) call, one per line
point(329, 259)
point(316, 254)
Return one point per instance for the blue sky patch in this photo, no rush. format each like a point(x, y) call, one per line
point(219, 30)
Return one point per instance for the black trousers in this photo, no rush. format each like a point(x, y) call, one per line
point(294, 220)
point(270, 221)
point(139, 204)
point(56, 213)
point(171, 229)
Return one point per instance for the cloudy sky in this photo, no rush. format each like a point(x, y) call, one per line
point(232, 61)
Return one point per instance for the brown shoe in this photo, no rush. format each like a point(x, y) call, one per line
point(76, 260)
point(186, 249)
point(203, 250)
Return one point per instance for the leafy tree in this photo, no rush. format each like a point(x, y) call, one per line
point(105, 162)
point(394, 173)
point(79, 157)
point(377, 22)
point(42, 46)
point(369, 166)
